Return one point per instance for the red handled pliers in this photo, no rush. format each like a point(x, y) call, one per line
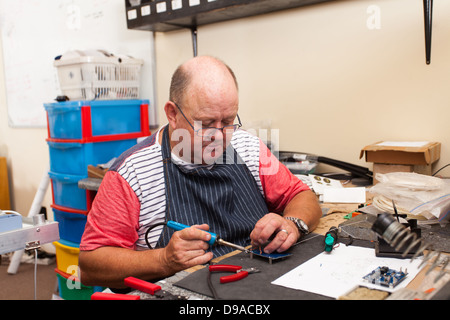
point(239, 272)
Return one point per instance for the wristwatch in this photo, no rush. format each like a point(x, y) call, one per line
point(301, 225)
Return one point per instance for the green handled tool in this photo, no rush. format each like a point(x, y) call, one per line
point(330, 239)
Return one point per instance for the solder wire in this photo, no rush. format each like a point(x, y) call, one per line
point(383, 204)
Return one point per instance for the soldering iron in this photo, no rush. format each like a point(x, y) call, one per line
point(215, 240)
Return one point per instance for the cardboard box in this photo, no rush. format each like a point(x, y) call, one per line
point(410, 153)
point(401, 156)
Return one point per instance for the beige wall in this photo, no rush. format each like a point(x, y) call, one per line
point(318, 74)
point(27, 156)
point(328, 82)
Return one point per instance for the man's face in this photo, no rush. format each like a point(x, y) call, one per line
point(206, 107)
point(207, 141)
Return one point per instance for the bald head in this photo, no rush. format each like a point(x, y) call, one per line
point(205, 91)
point(202, 73)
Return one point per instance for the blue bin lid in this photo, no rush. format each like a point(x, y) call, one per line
point(80, 103)
point(69, 243)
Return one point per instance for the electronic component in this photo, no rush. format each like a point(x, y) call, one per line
point(385, 277)
point(405, 241)
point(270, 256)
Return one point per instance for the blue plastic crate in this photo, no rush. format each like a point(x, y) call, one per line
point(10, 222)
point(90, 120)
point(65, 191)
point(73, 158)
point(71, 223)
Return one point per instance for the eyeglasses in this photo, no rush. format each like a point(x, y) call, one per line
point(210, 131)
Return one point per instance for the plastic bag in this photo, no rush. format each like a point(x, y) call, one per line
point(415, 193)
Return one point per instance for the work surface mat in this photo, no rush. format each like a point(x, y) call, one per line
point(257, 286)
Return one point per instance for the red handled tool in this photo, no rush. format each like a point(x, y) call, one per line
point(239, 272)
point(142, 285)
point(113, 296)
point(151, 288)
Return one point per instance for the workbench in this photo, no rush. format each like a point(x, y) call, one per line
point(334, 215)
point(195, 278)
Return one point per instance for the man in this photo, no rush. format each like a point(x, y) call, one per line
point(200, 170)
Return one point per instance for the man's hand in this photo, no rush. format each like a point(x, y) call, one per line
point(187, 248)
point(108, 266)
point(278, 233)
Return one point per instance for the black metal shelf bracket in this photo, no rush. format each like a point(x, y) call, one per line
point(194, 40)
point(428, 14)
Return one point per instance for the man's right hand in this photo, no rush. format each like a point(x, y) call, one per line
point(187, 248)
point(108, 266)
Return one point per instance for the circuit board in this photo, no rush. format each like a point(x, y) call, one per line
point(385, 277)
point(269, 256)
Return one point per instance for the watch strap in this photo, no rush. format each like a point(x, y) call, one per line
point(301, 225)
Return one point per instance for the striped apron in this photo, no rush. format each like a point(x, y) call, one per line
point(225, 197)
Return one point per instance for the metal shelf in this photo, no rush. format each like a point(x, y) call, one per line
point(168, 15)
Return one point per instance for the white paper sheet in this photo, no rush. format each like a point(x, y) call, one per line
point(344, 195)
point(334, 274)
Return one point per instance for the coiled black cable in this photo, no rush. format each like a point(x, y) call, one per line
point(150, 229)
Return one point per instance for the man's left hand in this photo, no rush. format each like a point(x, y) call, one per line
point(275, 233)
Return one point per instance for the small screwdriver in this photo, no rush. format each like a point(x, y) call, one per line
point(330, 239)
point(214, 238)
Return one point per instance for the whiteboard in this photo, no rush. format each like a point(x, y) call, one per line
point(34, 32)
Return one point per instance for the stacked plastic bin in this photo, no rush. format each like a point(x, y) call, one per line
point(83, 132)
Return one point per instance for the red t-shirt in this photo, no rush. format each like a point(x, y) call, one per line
point(122, 210)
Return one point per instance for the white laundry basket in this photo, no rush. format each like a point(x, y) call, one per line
point(98, 75)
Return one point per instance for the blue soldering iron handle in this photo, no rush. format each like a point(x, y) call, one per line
point(179, 226)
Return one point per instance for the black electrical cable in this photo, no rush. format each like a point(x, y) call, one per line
point(211, 286)
point(355, 169)
point(448, 164)
point(148, 231)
